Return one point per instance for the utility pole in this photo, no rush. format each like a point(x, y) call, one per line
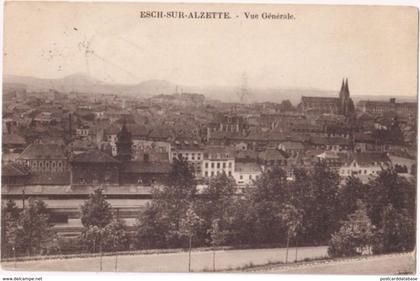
point(189, 254)
point(116, 254)
point(100, 249)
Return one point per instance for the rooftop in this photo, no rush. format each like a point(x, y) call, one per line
point(42, 152)
point(93, 156)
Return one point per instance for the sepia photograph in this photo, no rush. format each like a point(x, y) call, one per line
point(204, 137)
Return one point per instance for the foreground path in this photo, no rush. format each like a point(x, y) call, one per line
point(173, 262)
point(381, 265)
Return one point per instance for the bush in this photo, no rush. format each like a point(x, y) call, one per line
point(397, 234)
point(355, 236)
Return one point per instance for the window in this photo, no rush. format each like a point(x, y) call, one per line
point(224, 165)
point(199, 156)
point(206, 174)
point(206, 165)
point(230, 164)
point(212, 165)
point(240, 177)
point(212, 173)
point(218, 165)
point(192, 156)
point(250, 177)
point(230, 173)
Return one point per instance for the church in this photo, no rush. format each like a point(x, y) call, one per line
point(343, 105)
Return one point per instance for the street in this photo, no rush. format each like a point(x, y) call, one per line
point(173, 262)
point(382, 265)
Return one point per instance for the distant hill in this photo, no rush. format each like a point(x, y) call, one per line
point(85, 83)
point(80, 82)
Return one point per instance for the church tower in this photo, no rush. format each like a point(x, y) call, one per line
point(346, 103)
point(124, 144)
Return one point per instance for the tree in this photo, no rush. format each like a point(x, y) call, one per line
point(292, 218)
point(90, 238)
point(96, 214)
point(348, 196)
point(355, 236)
point(286, 105)
point(216, 203)
point(188, 228)
point(35, 229)
point(116, 238)
point(397, 232)
point(159, 224)
point(9, 228)
point(322, 219)
point(390, 188)
point(264, 205)
point(217, 238)
point(96, 211)
point(151, 227)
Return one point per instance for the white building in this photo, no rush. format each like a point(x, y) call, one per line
point(364, 166)
point(83, 131)
point(246, 173)
point(218, 159)
point(191, 151)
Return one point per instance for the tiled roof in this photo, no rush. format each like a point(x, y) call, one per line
point(161, 133)
point(330, 141)
point(93, 156)
point(292, 145)
point(145, 167)
point(13, 139)
point(247, 167)
point(135, 129)
point(368, 158)
point(46, 139)
point(42, 151)
point(83, 144)
point(13, 170)
point(361, 137)
point(242, 155)
point(320, 100)
point(272, 154)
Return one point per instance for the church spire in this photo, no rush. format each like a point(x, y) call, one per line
point(346, 89)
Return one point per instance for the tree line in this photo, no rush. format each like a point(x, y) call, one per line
point(352, 218)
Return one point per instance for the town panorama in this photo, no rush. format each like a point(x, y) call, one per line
point(93, 173)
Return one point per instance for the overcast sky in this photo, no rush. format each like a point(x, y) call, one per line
point(375, 47)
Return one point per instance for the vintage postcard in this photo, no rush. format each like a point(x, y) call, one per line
point(141, 137)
